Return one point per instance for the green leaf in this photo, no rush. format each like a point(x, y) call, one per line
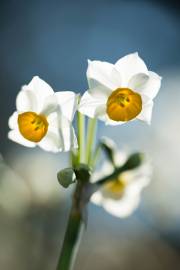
point(66, 177)
point(82, 172)
point(134, 161)
point(108, 147)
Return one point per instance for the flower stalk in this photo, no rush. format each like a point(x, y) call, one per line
point(77, 216)
point(81, 136)
point(74, 230)
point(91, 132)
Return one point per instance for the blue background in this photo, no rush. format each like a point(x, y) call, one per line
point(54, 39)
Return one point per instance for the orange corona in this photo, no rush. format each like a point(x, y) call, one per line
point(123, 105)
point(32, 126)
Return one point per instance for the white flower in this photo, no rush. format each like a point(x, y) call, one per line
point(44, 118)
point(121, 92)
point(121, 196)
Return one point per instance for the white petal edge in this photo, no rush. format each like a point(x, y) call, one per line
point(40, 89)
point(122, 208)
point(67, 102)
point(50, 105)
point(60, 136)
point(148, 85)
point(97, 197)
point(51, 142)
point(26, 101)
point(13, 121)
point(90, 106)
point(130, 65)
point(119, 208)
point(146, 113)
point(15, 136)
point(69, 139)
point(67, 134)
point(110, 122)
point(100, 72)
point(100, 92)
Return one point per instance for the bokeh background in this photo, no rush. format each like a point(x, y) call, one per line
point(54, 39)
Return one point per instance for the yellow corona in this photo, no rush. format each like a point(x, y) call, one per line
point(123, 105)
point(32, 126)
point(117, 186)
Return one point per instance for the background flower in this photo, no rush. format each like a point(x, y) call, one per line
point(121, 196)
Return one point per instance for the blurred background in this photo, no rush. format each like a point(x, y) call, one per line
point(54, 39)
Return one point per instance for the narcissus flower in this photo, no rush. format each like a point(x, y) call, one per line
point(44, 118)
point(121, 92)
point(121, 196)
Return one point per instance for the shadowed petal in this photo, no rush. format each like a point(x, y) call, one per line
point(90, 105)
point(146, 84)
point(146, 112)
point(67, 102)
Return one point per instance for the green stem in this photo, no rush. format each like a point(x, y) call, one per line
point(81, 137)
point(75, 224)
point(74, 231)
point(95, 156)
point(91, 131)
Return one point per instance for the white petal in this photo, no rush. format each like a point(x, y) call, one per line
point(53, 120)
point(120, 157)
point(146, 84)
point(116, 78)
point(67, 134)
point(145, 99)
point(137, 81)
point(97, 198)
point(13, 121)
point(15, 136)
point(90, 106)
point(101, 112)
point(146, 112)
point(119, 208)
point(69, 139)
point(50, 105)
point(112, 122)
point(60, 135)
point(99, 72)
point(26, 101)
point(100, 92)
point(51, 142)
point(40, 89)
point(67, 102)
point(130, 65)
point(122, 208)
point(138, 178)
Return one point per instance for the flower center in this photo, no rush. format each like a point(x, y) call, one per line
point(116, 186)
point(32, 126)
point(123, 104)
